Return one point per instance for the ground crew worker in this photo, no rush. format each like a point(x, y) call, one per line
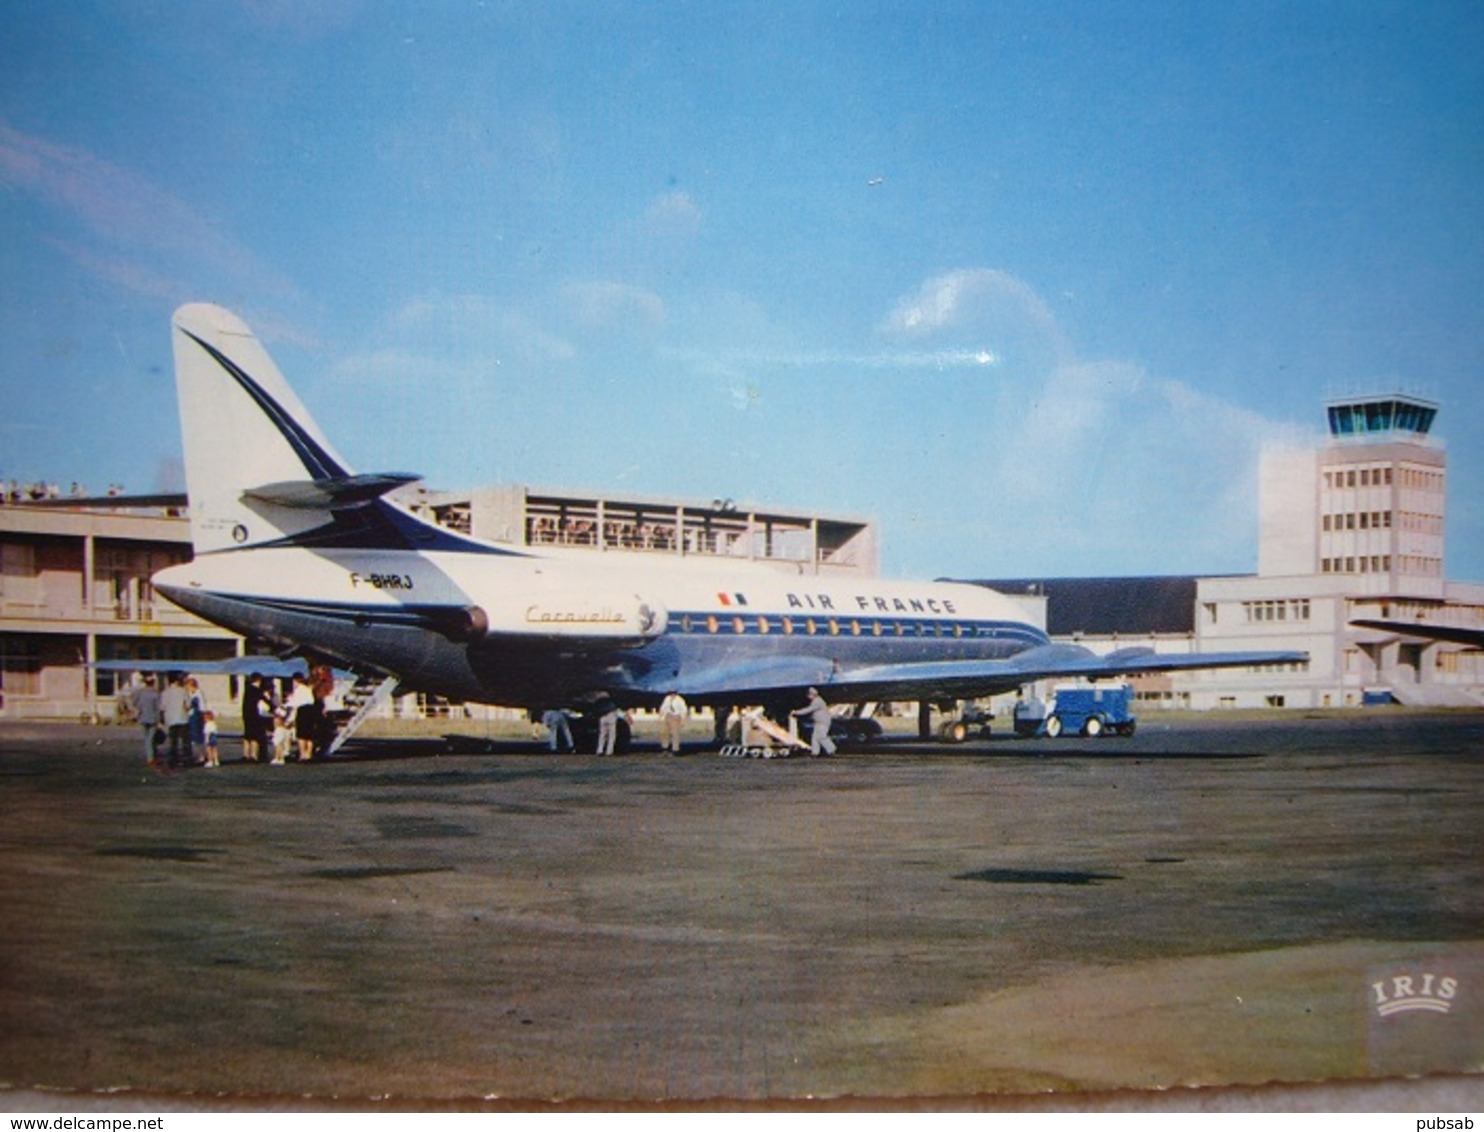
point(558, 730)
point(819, 715)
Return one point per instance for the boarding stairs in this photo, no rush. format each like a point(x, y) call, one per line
point(362, 701)
point(760, 738)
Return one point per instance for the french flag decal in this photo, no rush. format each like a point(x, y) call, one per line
point(731, 599)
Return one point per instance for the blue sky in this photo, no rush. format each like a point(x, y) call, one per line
point(1029, 283)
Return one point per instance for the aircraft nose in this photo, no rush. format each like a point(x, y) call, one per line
point(187, 597)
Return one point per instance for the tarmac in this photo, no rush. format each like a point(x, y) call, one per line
point(1214, 902)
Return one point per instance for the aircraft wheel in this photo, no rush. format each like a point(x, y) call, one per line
point(955, 731)
point(1093, 727)
point(1053, 727)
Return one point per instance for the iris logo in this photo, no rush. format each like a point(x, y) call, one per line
point(1403, 993)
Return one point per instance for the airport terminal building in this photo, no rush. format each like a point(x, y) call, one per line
point(517, 515)
point(1350, 529)
point(75, 588)
point(1353, 528)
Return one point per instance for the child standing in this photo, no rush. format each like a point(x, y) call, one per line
point(283, 735)
point(208, 735)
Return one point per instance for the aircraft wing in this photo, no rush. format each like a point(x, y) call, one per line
point(754, 680)
point(1059, 660)
point(270, 666)
point(1455, 634)
point(955, 679)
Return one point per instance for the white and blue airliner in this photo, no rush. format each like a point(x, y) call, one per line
point(293, 547)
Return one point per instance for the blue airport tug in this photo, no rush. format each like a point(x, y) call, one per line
point(1091, 711)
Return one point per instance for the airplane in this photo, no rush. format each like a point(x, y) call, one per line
point(1455, 634)
point(294, 548)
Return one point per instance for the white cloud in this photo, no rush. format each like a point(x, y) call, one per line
point(127, 230)
point(1083, 465)
point(911, 360)
point(118, 205)
point(611, 307)
point(391, 368)
point(978, 306)
point(478, 329)
point(656, 242)
point(121, 271)
point(673, 216)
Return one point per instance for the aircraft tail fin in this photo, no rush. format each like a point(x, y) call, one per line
point(258, 469)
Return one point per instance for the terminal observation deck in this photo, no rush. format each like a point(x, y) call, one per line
point(796, 541)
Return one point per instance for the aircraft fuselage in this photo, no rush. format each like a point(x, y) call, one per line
point(525, 630)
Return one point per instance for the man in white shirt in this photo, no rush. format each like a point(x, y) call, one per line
point(673, 709)
point(175, 710)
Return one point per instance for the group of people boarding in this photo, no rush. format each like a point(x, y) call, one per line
point(180, 730)
point(295, 722)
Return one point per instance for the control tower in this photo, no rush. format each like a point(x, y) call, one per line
point(1396, 416)
point(1367, 506)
